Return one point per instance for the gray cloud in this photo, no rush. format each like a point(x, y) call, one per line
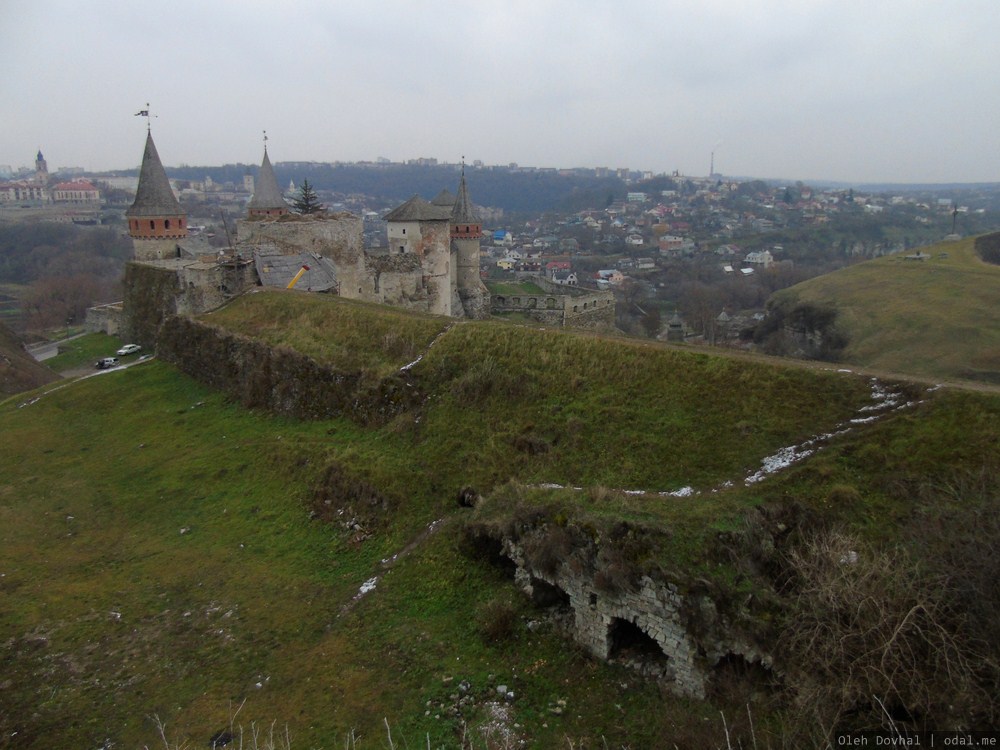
point(844, 90)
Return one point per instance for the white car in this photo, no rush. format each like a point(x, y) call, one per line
point(128, 349)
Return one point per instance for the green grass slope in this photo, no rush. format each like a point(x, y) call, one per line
point(18, 370)
point(933, 318)
point(166, 556)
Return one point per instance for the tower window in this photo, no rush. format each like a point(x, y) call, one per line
point(152, 224)
point(166, 223)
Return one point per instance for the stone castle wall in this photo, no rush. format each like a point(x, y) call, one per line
point(334, 236)
point(105, 319)
point(155, 290)
point(151, 294)
point(279, 379)
point(397, 280)
point(560, 306)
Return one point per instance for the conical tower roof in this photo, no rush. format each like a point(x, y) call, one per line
point(444, 198)
point(267, 194)
point(463, 213)
point(153, 197)
point(417, 209)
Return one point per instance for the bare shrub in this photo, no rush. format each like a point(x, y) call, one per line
point(869, 624)
point(496, 620)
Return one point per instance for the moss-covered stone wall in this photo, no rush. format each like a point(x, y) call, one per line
point(151, 295)
point(279, 379)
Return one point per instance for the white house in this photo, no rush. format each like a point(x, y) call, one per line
point(760, 258)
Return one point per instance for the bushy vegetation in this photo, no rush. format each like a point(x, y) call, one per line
point(803, 329)
point(988, 247)
point(65, 268)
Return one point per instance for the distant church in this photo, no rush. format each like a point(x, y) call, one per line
point(430, 262)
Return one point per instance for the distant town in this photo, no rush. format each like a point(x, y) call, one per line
point(698, 256)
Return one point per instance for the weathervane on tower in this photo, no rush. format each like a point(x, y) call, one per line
point(145, 113)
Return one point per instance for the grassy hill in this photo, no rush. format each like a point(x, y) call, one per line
point(18, 370)
point(933, 318)
point(169, 557)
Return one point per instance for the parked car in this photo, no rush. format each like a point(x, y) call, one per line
point(128, 349)
point(106, 362)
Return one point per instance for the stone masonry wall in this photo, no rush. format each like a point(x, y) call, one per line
point(105, 319)
point(151, 295)
point(560, 306)
point(657, 608)
point(334, 236)
point(279, 379)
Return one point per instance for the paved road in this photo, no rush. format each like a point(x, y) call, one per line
point(49, 349)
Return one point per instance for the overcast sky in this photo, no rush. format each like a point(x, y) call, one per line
point(849, 90)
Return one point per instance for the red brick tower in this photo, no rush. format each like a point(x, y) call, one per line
point(155, 219)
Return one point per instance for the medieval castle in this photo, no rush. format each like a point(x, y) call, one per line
point(430, 262)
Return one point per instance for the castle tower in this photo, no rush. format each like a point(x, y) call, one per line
point(423, 229)
point(155, 218)
point(466, 231)
point(267, 201)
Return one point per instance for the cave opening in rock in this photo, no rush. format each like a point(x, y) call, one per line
point(491, 550)
point(544, 594)
point(628, 641)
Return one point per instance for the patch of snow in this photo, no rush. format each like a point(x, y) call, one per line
point(367, 587)
point(682, 492)
point(404, 368)
point(778, 461)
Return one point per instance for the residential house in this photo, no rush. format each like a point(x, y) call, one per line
point(670, 242)
point(567, 278)
point(610, 275)
point(760, 258)
point(556, 265)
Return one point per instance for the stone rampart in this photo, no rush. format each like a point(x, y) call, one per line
point(560, 306)
point(105, 319)
point(279, 379)
point(151, 294)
